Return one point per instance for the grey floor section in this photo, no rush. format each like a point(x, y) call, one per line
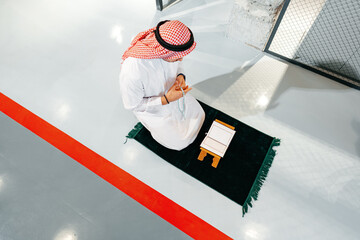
point(44, 194)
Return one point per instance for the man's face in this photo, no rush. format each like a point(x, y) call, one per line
point(174, 60)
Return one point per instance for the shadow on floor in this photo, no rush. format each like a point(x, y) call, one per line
point(356, 126)
point(317, 106)
point(293, 78)
point(303, 100)
point(216, 86)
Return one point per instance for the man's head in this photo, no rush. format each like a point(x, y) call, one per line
point(169, 40)
point(176, 38)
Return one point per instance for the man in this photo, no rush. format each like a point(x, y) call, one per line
point(153, 86)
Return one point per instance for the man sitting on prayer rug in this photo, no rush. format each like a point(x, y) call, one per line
point(152, 84)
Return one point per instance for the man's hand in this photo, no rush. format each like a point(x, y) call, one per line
point(175, 92)
point(180, 81)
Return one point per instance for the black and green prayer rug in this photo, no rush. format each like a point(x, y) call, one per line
point(240, 173)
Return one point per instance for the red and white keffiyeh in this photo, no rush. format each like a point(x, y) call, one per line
point(145, 45)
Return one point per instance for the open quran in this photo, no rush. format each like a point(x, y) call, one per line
point(217, 141)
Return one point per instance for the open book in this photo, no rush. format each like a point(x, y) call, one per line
point(218, 138)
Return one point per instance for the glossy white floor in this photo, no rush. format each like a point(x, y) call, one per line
point(61, 60)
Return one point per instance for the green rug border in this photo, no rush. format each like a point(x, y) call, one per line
point(260, 177)
point(132, 134)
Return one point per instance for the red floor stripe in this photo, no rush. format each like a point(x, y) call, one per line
point(139, 191)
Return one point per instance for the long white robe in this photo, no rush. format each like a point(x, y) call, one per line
point(142, 83)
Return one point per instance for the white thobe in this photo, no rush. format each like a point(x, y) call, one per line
point(142, 83)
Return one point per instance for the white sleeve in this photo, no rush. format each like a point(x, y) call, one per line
point(180, 68)
point(132, 90)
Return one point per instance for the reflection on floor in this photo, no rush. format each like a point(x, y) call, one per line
point(61, 60)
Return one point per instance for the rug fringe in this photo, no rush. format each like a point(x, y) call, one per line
point(134, 131)
point(261, 176)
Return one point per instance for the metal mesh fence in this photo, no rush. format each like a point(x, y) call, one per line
point(323, 35)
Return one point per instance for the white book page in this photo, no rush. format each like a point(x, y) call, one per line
point(214, 146)
point(221, 133)
point(218, 139)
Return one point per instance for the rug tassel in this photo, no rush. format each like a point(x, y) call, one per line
point(261, 176)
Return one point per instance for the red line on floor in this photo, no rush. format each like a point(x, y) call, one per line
point(178, 216)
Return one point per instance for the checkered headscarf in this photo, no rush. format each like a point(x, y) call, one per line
point(146, 46)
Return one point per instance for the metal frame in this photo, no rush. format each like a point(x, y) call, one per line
point(332, 76)
point(160, 6)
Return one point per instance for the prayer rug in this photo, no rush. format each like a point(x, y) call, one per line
point(239, 174)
